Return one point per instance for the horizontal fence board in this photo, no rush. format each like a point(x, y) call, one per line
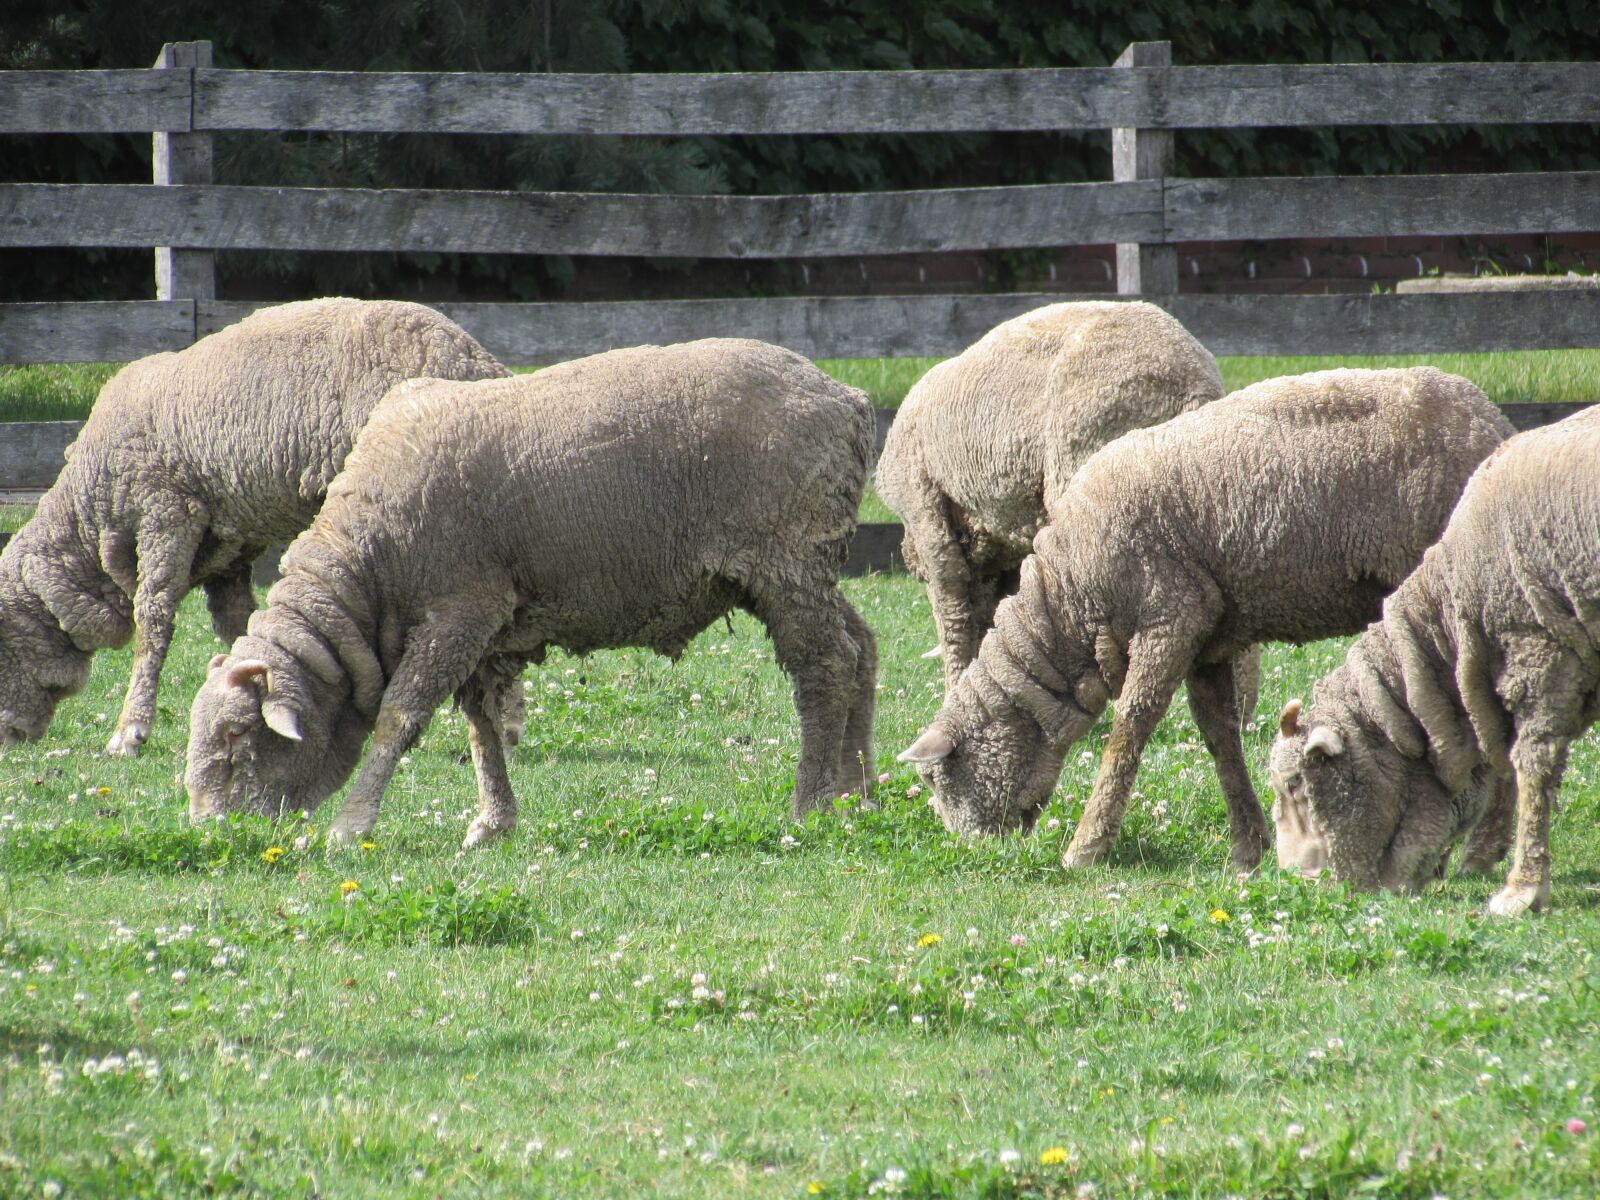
point(351, 219)
point(93, 331)
point(31, 452)
point(930, 221)
point(93, 101)
point(855, 102)
point(1382, 206)
point(866, 326)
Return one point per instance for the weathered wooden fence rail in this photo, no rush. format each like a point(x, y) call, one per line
point(1144, 209)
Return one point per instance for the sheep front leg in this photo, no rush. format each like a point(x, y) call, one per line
point(166, 548)
point(1491, 837)
point(1155, 668)
point(1214, 700)
point(441, 653)
point(230, 599)
point(1539, 763)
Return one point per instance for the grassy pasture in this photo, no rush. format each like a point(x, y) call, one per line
point(658, 986)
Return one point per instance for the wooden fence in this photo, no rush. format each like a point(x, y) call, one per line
point(1144, 209)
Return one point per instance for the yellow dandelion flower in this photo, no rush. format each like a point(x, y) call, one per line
point(102, 791)
point(1053, 1155)
point(815, 1188)
point(929, 939)
point(348, 886)
point(369, 845)
point(272, 854)
point(1219, 916)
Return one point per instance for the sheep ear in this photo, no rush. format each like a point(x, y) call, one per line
point(216, 661)
point(246, 671)
point(282, 718)
point(1326, 741)
point(930, 747)
point(1289, 718)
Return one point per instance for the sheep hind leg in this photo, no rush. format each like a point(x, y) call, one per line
point(822, 658)
point(856, 761)
point(483, 704)
point(1214, 701)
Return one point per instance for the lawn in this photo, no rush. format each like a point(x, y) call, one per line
point(658, 986)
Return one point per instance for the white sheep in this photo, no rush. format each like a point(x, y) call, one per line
point(189, 467)
point(627, 499)
point(986, 441)
point(1283, 512)
point(1483, 670)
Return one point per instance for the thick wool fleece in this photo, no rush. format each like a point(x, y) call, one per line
point(1284, 512)
point(1485, 666)
point(190, 465)
point(986, 441)
point(628, 499)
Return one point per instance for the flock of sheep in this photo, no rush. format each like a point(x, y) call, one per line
point(1093, 520)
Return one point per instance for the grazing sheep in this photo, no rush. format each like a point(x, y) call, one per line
point(190, 465)
point(1483, 669)
point(1284, 512)
point(986, 441)
point(628, 499)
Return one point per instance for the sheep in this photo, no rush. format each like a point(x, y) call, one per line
point(626, 499)
point(1482, 670)
point(1285, 511)
point(986, 441)
point(189, 466)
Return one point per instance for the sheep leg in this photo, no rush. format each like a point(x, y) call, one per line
point(166, 547)
point(1155, 668)
point(1491, 837)
point(1539, 763)
point(1214, 701)
point(441, 653)
point(936, 557)
point(822, 658)
point(484, 709)
point(1247, 682)
point(856, 761)
point(230, 599)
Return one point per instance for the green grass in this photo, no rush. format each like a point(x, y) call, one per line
point(877, 997)
point(66, 392)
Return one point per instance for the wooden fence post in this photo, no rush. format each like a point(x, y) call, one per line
point(184, 158)
point(1144, 269)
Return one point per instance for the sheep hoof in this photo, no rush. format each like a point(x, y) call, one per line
point(128, 738)
point(347, 833)
point(1082, 858)
point(936, 652)
point(481, 832)
point(1515, 899)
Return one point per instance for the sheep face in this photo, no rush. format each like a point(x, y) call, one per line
point(1348, 797)
point(254, 749)
point(30, 689)
point(990, 778)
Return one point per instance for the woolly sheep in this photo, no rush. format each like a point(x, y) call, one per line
point(1285, 511)
point(190, 465)
point(627, 499)
point(1484, 668)
point(986, 441)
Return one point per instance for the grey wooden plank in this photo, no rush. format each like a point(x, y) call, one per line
point(1146, 268)
point(1382, 206)
point(345, 219)
point(94, 331)
point(1531, 415)
point(182, 158)
point(130, 101)
point(901, 101)
point(922, 326)
point(31, 451)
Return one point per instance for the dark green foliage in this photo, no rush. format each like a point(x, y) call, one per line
point(720, 35)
